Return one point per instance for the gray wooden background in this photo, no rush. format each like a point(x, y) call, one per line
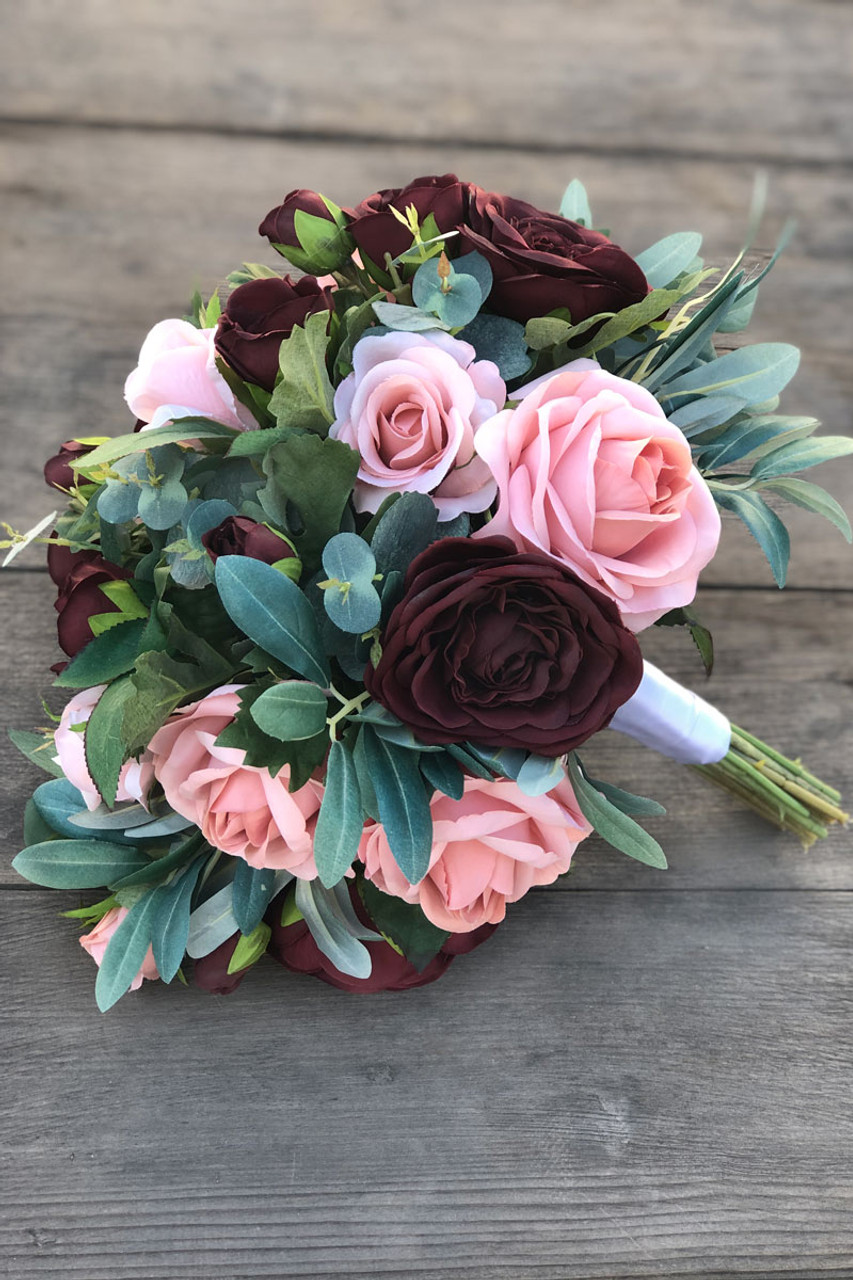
point(643, 1074)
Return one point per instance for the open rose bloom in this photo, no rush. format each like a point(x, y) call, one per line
point(335, 654)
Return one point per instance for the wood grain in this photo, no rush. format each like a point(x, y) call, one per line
point(617, 1085)
point(107, 233)
point(766, 79)
point(797, 694)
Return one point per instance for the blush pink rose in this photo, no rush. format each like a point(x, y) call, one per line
point(489, 848)
point(241, 810)
point(590, 471)
point(177, 377)
point(95, 942)
point(136, 776)
point(410, 409)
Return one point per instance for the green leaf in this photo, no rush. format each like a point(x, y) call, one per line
point(354, 607)
point(407, 528)
point(252, 890)
point(348, 558)
point(575, 204)
point(630, 319)
point(754, 374)
point(614, 826)
point(77, 864)
point(442, 772)
point(291, 711)
point(109, 655)
point(254, 444)
point(250, 947)
point(750, 437)
point(185, 429)
point(403, 805)
point(407, 319)
point(303, 398)
point(539, 774)
point(39, 748)
point(626, 801)
point(668, 258)
point(264, 752)
point(457, 298)
point(107, 747)
point(310, 481)
point(156, 870)
point(330, 931)
point(700, 635)
point(500, 340)
point(325, 245)
point(57, 801)
point(678, 351)
point(812, 498)
point(799, 455)
point(274, 613)
point(763, 523)
point(403, 924)
point(211, 924)
point(170, 924)
point(160, 683)
point(36, 830)
point(125, 953)
point(340, 821)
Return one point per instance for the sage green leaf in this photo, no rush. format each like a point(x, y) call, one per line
point(703, 414)
point(614, 826)
point(58, 801)
point(185, 429)
point(751, 437)
point(630, 319)
point(678, 351)
point(403, 805)
point(340, 821)
point(170, 923)
point(501, 340)
point(763, 523)
point(252, 890)
point(156, 870)
point(274, 613)
point(539, 775)
point(626, 801)
point(329, 930)
point(254, 444)
point(291, 711)
point(799, 455)
point(78, 864)
point(403, 924)
point(407, 319)
point(575, 204)
point(109, 655)
point(668, 258)
point(348, 558)
point(310, 481)
point(125, 953)
point(812, 498)
point(36, 830)
point(38, 748)
point(211, 924)
point(407, 528)
point(442, 772)
point(303, 398)
point(754, 374)
point(106, 745)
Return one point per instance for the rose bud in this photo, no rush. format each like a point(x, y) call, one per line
point(542, 261)
point(210, 972)
point(294, 947)
point(258, 317)
point(310, 231)
point(57, 470)
point(375, 229)
point(240, 536)
point(95, 942)
point(78, 575)
point(503, 649)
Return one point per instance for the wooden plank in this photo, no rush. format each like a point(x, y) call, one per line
point(769, 79)
point(617, 1085)
point(797, 693)
point(112, 232)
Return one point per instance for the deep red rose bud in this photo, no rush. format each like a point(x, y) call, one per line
point(258, 317)
point(376, 231)
point(309, 231)
point(78, 575)
point(294, 947)
point(240, 536)
point(504, 649)
point(210, 972)
point(542, 261)
point(57, 470)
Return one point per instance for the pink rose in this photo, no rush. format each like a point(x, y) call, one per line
point(589, 470)
point(410, 409)
point(240, 809)
point(489, 848)
point(95, 942)
point(136, 776)
point(177, 375)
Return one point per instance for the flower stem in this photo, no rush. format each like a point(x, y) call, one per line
point(782, 791)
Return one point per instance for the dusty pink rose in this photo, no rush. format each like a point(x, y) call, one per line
point(136, 776)
point(410, 409)
point(489, 848)
point(177, 377)
point(95, 942)
point(242, 810)
point(590, 471)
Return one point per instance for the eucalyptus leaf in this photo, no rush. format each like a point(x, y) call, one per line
point(407, 528)
point(407, 319)
point(501, 340)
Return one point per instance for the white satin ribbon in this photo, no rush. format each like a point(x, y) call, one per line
point(674, 721)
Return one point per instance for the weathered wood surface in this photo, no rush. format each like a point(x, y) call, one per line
point(643, 1073)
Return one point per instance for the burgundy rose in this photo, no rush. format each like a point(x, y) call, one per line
point(210, 972)
point(504, 649)
point(57, 470)
point(78, 575)
point(328, 249)
point(294, 947)
point(240, 536)
point(542, 261)
point(258, 317)
point(376, 231)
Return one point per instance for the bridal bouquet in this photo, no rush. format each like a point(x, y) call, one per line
point(343, 609)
